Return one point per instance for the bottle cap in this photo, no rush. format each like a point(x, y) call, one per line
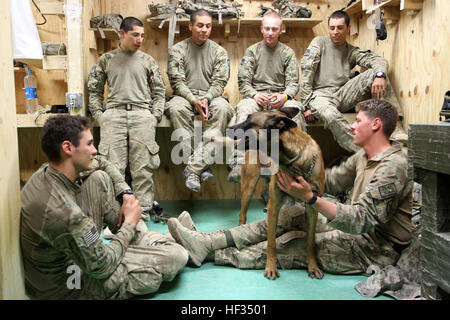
point(29, 72)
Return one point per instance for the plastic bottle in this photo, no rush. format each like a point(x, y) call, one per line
point(31, 100)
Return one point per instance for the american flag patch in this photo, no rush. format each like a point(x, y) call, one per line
point(91, 236)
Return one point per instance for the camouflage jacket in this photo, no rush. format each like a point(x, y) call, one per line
point(133, 78)
point(55, 234)
point(249, 86)
point(381, 197)
point(354, 57)
point(215, 75)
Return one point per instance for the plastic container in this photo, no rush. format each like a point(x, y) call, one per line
point(31, 100)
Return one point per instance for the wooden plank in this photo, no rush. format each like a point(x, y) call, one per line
point(415, 5)
point(289, 22)
point(387, 3)
point(54, 62)
point(75, 79)
point(11, 269)
point(52, 7)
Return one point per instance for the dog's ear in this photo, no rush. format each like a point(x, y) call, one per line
point(290, 112)
point(281, 123)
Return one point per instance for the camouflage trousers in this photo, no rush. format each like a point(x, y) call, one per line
point(149, 259)
point(337, 252)
point(248, 106)
point(127, 138)
point(328, 105)
point(183, 115)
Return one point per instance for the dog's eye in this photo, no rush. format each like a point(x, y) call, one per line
point(248, 117)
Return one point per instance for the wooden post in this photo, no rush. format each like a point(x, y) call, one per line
point(75, 80)
point(11, 269)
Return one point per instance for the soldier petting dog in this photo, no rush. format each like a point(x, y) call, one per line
point(373, 227)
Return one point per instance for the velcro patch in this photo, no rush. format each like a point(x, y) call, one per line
point(91, 236)
point(387, 190)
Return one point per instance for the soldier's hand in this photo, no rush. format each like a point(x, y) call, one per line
point(277, 100)
point(309, 116)
point(298, 188)
point(205, 108)
point(125, 198)
point(378, 88)
point(262, 99)
point(132, 211)
point(200, 107)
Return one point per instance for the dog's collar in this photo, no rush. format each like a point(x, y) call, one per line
point(298, 171)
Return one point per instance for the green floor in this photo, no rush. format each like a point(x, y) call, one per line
point(211, 282)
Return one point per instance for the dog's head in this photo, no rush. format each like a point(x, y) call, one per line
point(270, 119)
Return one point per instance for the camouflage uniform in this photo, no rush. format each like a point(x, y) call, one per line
point(60, 225)
point(327, 89)
point(197, 72)
point(267, 70)
point(128, 137)
point(371, 229)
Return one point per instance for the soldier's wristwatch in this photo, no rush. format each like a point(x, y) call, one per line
point(126, 191)
point(380, 74)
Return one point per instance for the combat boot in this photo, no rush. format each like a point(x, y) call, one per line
point(186, 221)
point(235, 174)
point(205, 176)
point(198, 244)
point(193, 182)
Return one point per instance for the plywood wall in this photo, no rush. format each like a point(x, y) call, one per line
point(11, 271)
point(417, 49)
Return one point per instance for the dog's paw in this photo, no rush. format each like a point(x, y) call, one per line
point(315, 273)
point(271, 274)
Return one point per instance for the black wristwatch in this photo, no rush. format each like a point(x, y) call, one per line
point(313, 199)
point(209, 100)
point(380, 74)
point(126, 191)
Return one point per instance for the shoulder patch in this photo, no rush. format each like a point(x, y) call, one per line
point(387, 190)
point(91, 236)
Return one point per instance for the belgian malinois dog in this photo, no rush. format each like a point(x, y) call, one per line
point(298, 154)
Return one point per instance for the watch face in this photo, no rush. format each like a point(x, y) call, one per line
point(380, 74)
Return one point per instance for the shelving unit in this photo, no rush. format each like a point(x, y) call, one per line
point(228, 23)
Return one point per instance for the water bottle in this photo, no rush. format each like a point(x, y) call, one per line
point(31, 100)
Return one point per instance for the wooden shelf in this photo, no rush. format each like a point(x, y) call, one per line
point(108, 34)
point(355, 8)
point(368, 7)
point(57, 62)
point(288, 22)
point(410, 5)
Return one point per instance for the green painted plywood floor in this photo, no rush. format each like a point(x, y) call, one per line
point(211, 282)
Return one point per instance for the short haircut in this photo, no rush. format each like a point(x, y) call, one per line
point(199, 12)
point(386, 112)
point(338, 14)
point(274, 14)
point(129, 23)
point(60, 128)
